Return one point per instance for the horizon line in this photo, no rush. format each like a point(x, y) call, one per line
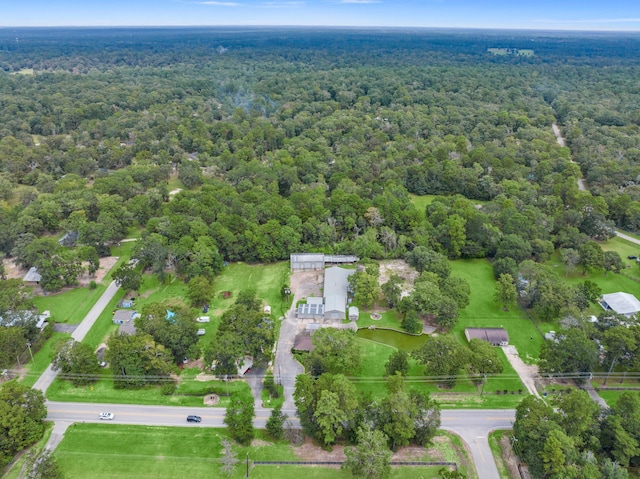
point(422, 27)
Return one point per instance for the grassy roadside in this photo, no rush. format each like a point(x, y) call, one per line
point(42, 359)
point(109, 450)
point(494, 443)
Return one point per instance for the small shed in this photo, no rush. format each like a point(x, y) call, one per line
point(32, 278)
point(354, 313)
point(267, 309)
point(125, 303)
point(494, 336)
point(203, 319)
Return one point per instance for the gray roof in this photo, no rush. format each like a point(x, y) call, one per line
point(621, 303)
point(302, 342)
point(340, 258)
point(32, 275)
point(307, 257)
point(314, 300)
point(123, 315)
point(336, 285)
point(310, 310)
point(491, 335)
point(128, 327)
point(354, 311)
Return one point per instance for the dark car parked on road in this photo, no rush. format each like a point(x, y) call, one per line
point(194, 419)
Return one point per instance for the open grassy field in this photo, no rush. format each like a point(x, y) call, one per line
point(189, 392)
point(108, 450)
point(465, 394)
point(421, 202)
point(483, 311)
point(71, 306)
point(42, 359)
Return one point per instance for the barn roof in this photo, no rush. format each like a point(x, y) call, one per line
point(491, 335)
point(621, 303)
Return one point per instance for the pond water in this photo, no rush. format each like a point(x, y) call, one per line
point(403, 341)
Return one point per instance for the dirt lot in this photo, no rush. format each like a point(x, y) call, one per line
point(312, 452)
point(402, 269)
point(305, 284)
point(13, 271)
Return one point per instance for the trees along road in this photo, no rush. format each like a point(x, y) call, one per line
point(473, 425)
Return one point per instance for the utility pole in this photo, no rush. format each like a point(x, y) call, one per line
point(247, 465)
point(30, 353)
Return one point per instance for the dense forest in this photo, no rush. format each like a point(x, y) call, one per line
point(285, 140)
point(292, 142)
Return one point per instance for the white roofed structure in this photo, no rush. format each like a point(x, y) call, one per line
point(621, 303)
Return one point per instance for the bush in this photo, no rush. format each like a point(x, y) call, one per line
point(168, 389)
point(93, 284)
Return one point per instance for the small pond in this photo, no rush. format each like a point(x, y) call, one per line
point(403, 341)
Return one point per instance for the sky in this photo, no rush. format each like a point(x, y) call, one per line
point(514, 14)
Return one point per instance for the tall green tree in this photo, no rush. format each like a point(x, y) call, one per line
point(444, 357)
point(370, 457)
point(506, 293)
point(76, 361)
point(22, 412)
point(239, 419)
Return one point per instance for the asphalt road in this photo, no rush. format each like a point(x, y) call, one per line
point(472, 425)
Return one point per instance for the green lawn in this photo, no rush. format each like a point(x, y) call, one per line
point(421, 202)
point(42, 359)
point(389, 319)
point(109, 450)
point(465, 394)
point(483, 311)
point(189, 393)
point(71, 306)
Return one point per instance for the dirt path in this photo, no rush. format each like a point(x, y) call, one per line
point(561, 141)
point(528, 373)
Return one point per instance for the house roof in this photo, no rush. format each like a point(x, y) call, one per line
point(303, 342)
point(128, 327)
point(621, 303)
point(336, 286)
point(123, 315)
point(32, 275)
point(491, 335)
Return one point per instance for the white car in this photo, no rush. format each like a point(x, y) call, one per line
point(106, 416)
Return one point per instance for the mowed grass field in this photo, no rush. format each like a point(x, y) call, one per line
point(109, 450)
point(484, 312)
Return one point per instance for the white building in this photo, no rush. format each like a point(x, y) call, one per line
point(621, 303)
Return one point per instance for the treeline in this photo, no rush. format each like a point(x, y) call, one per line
point(571, 438)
